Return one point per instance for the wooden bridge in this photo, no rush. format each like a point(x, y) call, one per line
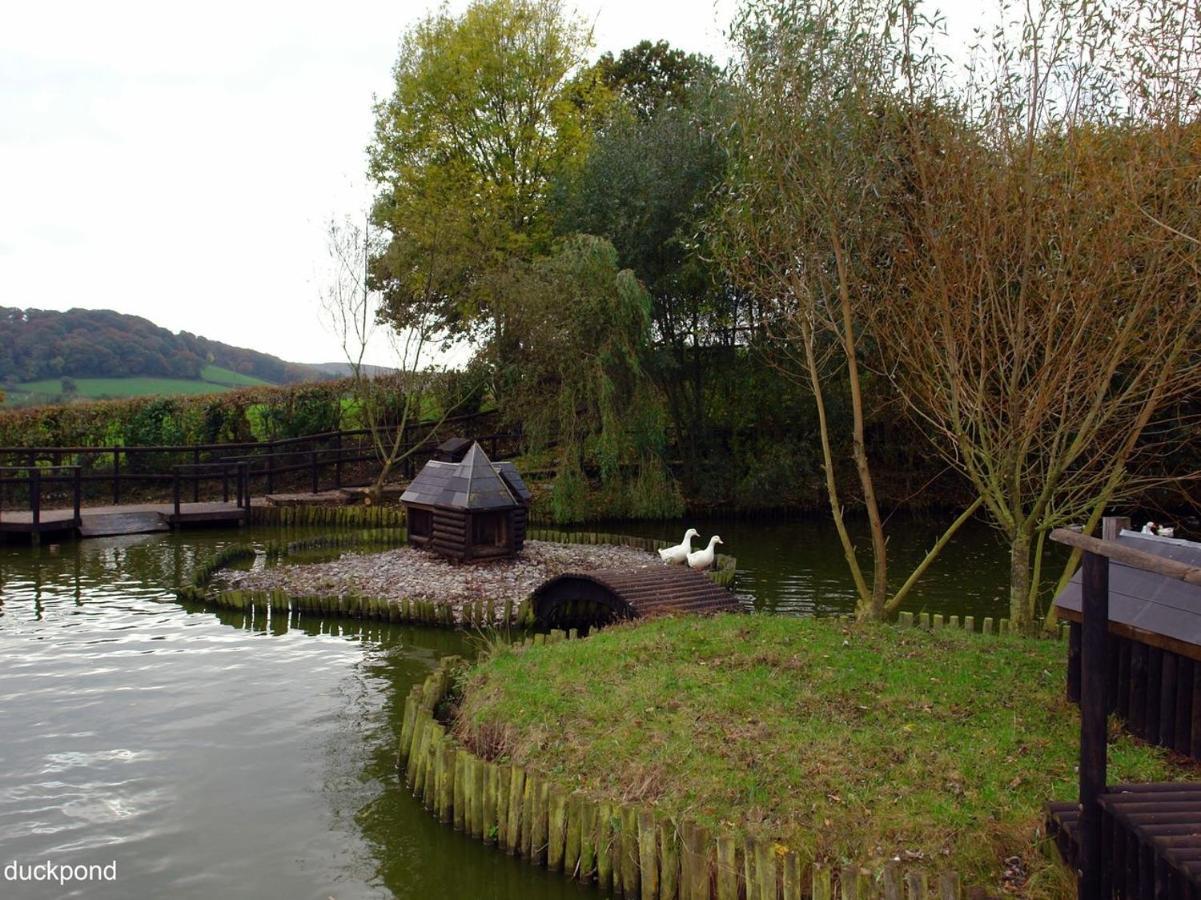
point(91, 491)
point(1129, 840)
point(585, 599)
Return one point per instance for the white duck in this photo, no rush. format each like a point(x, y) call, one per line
point(680, 552)
point(703, 559)
point(1149, 528)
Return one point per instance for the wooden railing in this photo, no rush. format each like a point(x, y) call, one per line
point(1094, 702)
point(33, 478)
point(315, 462)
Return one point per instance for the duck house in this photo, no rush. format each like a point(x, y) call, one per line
point(467, 509)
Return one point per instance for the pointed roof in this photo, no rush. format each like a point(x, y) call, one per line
point(475, 483)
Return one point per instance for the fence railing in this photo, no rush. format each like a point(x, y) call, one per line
point(312, 463)
point(33, 478)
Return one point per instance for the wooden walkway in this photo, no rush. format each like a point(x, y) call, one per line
point(1150, 839)
point(132, 518)
point(581, 599)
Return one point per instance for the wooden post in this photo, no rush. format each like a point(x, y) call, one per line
point(196, 472)
point(338, 460)
point(175, 492)
point(1093, 706)
point(315, 473)
point(35, 497)
point(116, 476)
point(1112, 526)
point(271, 467)
point(77, 492)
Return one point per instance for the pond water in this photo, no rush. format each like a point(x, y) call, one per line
point(210, 755)
point(797, 566)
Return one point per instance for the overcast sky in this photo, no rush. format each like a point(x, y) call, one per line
point(178, 161)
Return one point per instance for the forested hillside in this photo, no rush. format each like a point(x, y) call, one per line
point(38, 344)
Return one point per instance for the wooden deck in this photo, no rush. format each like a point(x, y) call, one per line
point(1150, 838)
point(581, 599)
point(133, 518)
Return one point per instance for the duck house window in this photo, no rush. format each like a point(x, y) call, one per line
point(490, 529)
point(421, 522)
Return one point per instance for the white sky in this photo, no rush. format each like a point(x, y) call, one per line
point(178, 161)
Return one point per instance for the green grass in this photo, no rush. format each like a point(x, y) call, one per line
point(230, 378)
point(213, 379)
point(852, 743)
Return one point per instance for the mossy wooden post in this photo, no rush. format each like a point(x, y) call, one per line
point(538, 829)
point(477, 798)
point(749, 855)
point(445, 779)
point(905, 620)
point(727, 867)
point(604, 846)
point(629, 851)
point(948, 886)
point(969, 623)
point(556, 827)
point(892, 883)
point(415, 750)
point(915, 886)
point(461, 804)
point(790, 876)
point(406, 728)
point(589, 823)
point(571, 833)
point(669, 861)
point(937, 621)
point(429, 793)
point(694, 862)
point(925, 620)
point(648, 854)
point(503, 775)
point(526, 848)
point(821, 883)
point(765, 870)
point(488, 825)
point(516, 805)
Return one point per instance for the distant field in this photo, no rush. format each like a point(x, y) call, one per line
point(212, 380)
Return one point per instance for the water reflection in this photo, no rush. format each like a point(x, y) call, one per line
point(214, 753)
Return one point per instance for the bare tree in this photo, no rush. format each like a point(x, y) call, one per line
point(1047, 317)
point(388, 405)
point(809, 226)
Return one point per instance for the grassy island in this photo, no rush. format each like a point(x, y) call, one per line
point(847, 743)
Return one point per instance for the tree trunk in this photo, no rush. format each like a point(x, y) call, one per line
point(1019, 581)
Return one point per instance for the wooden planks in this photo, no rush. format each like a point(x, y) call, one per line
point(1151, 834)
point(631, 593)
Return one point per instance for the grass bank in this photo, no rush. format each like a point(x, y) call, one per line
point(851, 744)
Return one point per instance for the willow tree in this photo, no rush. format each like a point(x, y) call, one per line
point(1048, 321)
point(584, 326)
point(808, 225)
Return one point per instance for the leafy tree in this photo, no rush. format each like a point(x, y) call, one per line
point(646, 186)
point(648, 75)
point(485, 111)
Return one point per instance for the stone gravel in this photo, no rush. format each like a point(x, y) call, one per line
point(421, 575)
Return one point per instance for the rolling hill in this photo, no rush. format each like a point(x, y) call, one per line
point(48, 356)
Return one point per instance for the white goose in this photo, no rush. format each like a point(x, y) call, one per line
point(680, 552)
point(703, 559)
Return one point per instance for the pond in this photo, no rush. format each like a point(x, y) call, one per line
point(210, 755)
point(797, 567)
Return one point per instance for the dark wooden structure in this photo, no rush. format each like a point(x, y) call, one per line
point(1153, 648)
point(1139, 841)
point(585, 599)
point(472, 509)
